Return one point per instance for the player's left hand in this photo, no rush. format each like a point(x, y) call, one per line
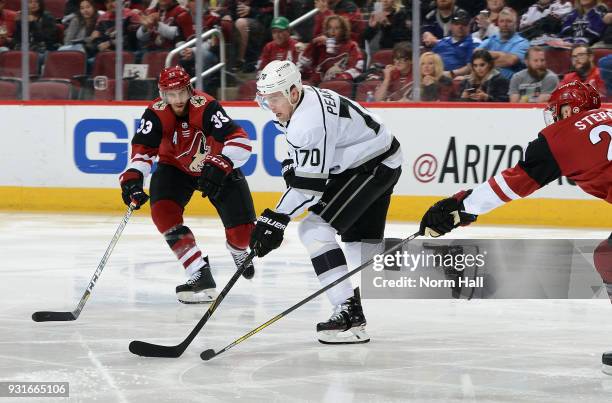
point(445, 215)
point(214, 171)
point(268, 232)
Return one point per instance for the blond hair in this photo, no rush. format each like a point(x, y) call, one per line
point(437, 62)
point(579, 7)
point(397, 5)
point(345, 26)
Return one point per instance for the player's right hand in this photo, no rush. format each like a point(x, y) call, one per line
point(288, 172)
point(446, 215)
point(131, 188)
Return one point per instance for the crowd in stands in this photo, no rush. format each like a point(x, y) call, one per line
point(470, 50)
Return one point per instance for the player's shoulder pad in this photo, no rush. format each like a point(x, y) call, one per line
point(158, 105)
point(200, 99)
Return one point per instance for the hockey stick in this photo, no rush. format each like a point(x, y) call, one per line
point(155, 350)
point(210, 353)
point(46, 316)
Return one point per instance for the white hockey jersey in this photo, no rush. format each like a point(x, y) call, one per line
point(329, 134)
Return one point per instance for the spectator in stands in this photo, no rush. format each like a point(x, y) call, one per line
point(104, 33)
point(584, 69)
point(7, 27)
point(437, 21)
point(391, 21)
point(282, 46)
point(485, 23)
point(585, 24)
point(455, 50)
point(162, 26)
point(435, 86)
point(486, 83)
point(78, 35)
point(43, 31)
point(508, 48)
point(536, 82)
point(397, 81)
point(345, 8)
point(605, 68)
point(250, 17)
point(339, 58)
point(544, 19)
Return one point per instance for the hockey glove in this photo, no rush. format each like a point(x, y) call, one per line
point(288, 172)
point(131, 188)
point(268, 232)
point(446, 215)
point(214, 171)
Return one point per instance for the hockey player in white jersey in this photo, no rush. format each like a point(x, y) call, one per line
point(343, 166)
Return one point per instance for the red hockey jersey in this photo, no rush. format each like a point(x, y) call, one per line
point(579, 148)
point(183, 142)
point(346, 63)
point(175, 16)
point(273, 51)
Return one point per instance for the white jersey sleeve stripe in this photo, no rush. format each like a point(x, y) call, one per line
point(482, 200)
point(499, 178)
point(143, 167)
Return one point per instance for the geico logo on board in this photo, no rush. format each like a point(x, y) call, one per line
point(102, 146)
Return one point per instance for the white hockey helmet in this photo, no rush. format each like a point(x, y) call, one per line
point(278, 76)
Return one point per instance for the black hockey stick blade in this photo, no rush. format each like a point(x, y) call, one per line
point(209, 353)
point(145, 349)
point(47, 316)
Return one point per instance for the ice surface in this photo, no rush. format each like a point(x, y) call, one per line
point(421, 350)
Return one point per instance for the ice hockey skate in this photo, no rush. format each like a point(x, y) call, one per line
point(346, 325)
point(200, 288)
point(606, 363)
point(239, 257)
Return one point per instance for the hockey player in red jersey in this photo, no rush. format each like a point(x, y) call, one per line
point(198, 148)
point(576, 143)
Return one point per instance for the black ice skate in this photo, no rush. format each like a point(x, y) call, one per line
point(199, 289)
point(346, 325)
point(239, 257)
point(606, 362)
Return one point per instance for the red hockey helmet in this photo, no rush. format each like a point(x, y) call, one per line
point(578, 96)
point(173, 78)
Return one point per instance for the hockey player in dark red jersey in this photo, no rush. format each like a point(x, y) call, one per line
point(576, 143)
point(198, 148)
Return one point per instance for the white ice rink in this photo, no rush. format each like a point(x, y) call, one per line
point(421, 350)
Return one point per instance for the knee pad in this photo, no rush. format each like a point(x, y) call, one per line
point(357, 253)
point(238, 237)
point(602, 257)
point(166, 214)
point(317, 235)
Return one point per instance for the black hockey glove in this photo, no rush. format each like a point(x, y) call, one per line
point(131, 188)
point(268, 232)
point(446, 215)
point(288, 172)
point(214, 171)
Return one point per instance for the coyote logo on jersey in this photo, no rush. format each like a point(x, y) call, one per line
point(333, 66)
point(198, 158)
